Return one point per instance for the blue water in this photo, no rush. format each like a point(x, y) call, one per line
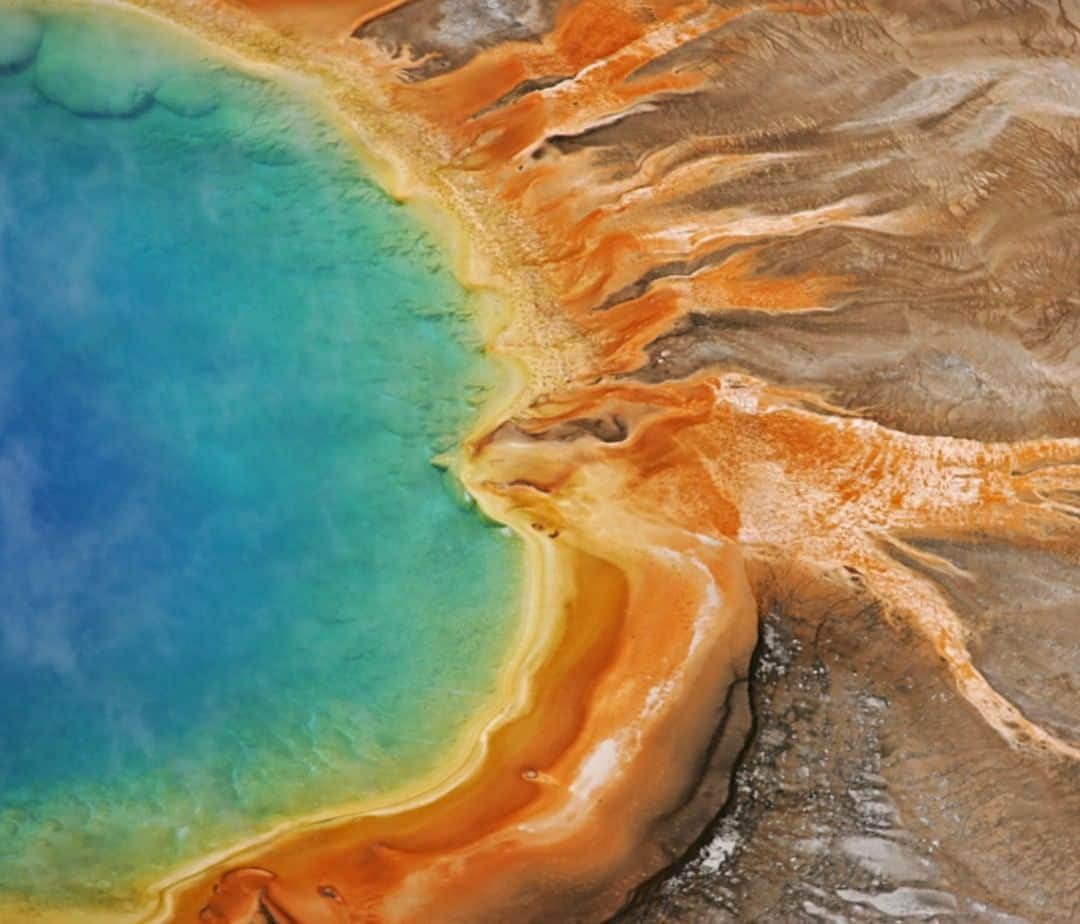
point(232, 585)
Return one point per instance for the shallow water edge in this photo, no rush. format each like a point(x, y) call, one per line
point(309, 89)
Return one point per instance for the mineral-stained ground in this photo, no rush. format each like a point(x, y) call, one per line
point(869, 792)
point(812, 272)
point(875, 204)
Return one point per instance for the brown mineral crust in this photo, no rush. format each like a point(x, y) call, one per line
point(814, 270)
point(872, 792)
point(1020, 607)
point(910, 188)
point(442, 36)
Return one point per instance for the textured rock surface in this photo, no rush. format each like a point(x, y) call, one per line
point(870, 791)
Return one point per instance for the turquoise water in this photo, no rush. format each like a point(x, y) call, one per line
point(232, 586)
